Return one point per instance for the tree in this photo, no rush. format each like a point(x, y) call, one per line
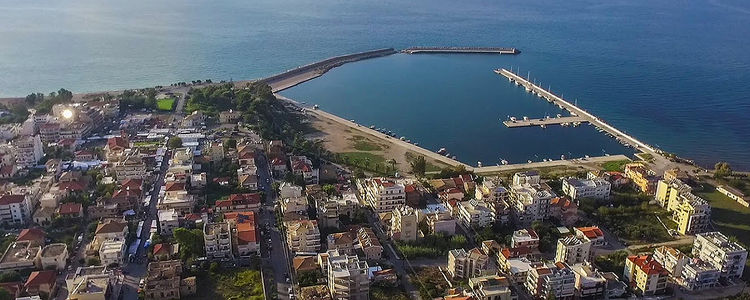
point(93, 261)
point(230, 144)
point(191, 242)
point(174, 142)
point(722, 169)
point(5, 295)
point(10, 276)
point(308, 278)
point(419, 166)
point(329, 189)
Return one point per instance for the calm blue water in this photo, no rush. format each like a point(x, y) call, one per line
point(673, 73)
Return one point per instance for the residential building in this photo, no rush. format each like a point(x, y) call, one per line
point(347, 277)
point(526, 238)
point(41, 283)
point(369, 243)
point(195, 119)
point(164, 282)
point(475, 213)
point(14, 209)
point(698, 275)
point(463, 264)
point(556, 281)
point(441, 222)
point(563, 209)
point(303, 235)
point(572, 250)
point(527, 177)
point(645, 275)
point(305, 263)
point(591, 234)
point(692, 214)
point(229, 117)
point(28, 150)
point(590, 283)
point(596, 188)
point(90, 283)
point(217, 238)
point(245, 234)
point(717, 250)
point(383, 195)
point(54, 256)
point(530, 200)
point(239, 202)
point(643, 178)
point(295, 204)
point(343, 242)
point(112, 253)
point(20, 255)
point(668, 190)
point(169, 220)
point(491, 287)
point(130, 166)
point(671, 259)
point(404, 224)
point(302, 165)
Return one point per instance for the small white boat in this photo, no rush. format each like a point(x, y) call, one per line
point(528, 161)
point(505, 162)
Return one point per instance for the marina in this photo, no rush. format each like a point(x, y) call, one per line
point(602, 126)
point(543, 122)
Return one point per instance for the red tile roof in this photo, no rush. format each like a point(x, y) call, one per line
point(647, 264)
point(73, 186)
point(38, 278)
point(246, 233)
point(159, 248)
point(174, 186)
point(132, 184)
point(31, 234)
point(111, 226)
point(6, 170)
point(515, 252)
point(117, 141)
point(11, 199)
point(70, 208)
point(591, 232)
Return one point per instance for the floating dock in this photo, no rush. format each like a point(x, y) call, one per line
point(477, 50)
point(573, 120)
point(574, 110)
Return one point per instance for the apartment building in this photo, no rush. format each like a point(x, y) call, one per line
point(491, 287)
point(369, 243)
point(590, 283)
point(671, 259)
point(572, 250)
point(595, 188)
point(526, 238)
point(342, 241)
point(404, 224)
point(645, 275)
point(698, 275)
point(475, 213)
point(529, 201)
point(14, 209)
point(302, 166)
point(28, 151)
point(717, 250)
point(90, 283)
point(164, 281)
point(592, 234)
point(130, 166)
point(245, 234)
point(347, 277)
point(303, 235)
point(383, 195)
point(556, 280)
point(642, 177)
point(467, 264)
point(217, 239)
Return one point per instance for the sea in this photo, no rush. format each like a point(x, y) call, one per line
point(671, 73)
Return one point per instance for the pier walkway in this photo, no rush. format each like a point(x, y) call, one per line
point(478, 50)
point(544, 121)
point(546, 164)
point(575, 110)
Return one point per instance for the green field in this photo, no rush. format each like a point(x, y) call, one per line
point(165, 104)
point(615, 166)
point(362, 144)
point(230, 284)
point(362, 158)
point(728, 216)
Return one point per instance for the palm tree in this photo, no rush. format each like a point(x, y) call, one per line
point(392, 162)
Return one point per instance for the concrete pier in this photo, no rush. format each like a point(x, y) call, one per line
point(477, 50)
point(544, 121)
point(575, 110)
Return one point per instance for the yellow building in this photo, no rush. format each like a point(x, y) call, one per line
point(642, 177)
point(645, 275)
point(692, 214)
point(668, 190)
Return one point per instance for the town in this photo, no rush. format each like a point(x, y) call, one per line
point(209, 190)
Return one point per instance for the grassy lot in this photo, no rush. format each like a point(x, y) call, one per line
point(165, 104)
point(361, 143)
point(645, 156)
point(147, 144)
point(615, 166)
point(430, 167)
point(362, 158)
point(728, 216)
point(230, 284)
point(430, 282)
point(546, 172)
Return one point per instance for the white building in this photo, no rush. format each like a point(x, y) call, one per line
point(28, 150)
point(671, 259)
point(572, 250)
point(717, 250)
point(14, 209)
point(347, 277)
point(303, 235)
point(475, 213)
point(112, 252)
point(529, 201)
point(54, 256)
point(468, 264)
point(383, 195)
point(557, 280)
point(217, 239)
point(169, 219)
point(404, 224)
point(596, 188)
point(698, 275)
point(527, 238)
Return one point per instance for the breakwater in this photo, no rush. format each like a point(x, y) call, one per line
point(477, 50)
point(304, 73)
point(575, 110)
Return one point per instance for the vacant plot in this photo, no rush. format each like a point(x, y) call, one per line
point(615, 166)
point(165, 104)
point(728, 216)
point(230, 284)
point(363, 144)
